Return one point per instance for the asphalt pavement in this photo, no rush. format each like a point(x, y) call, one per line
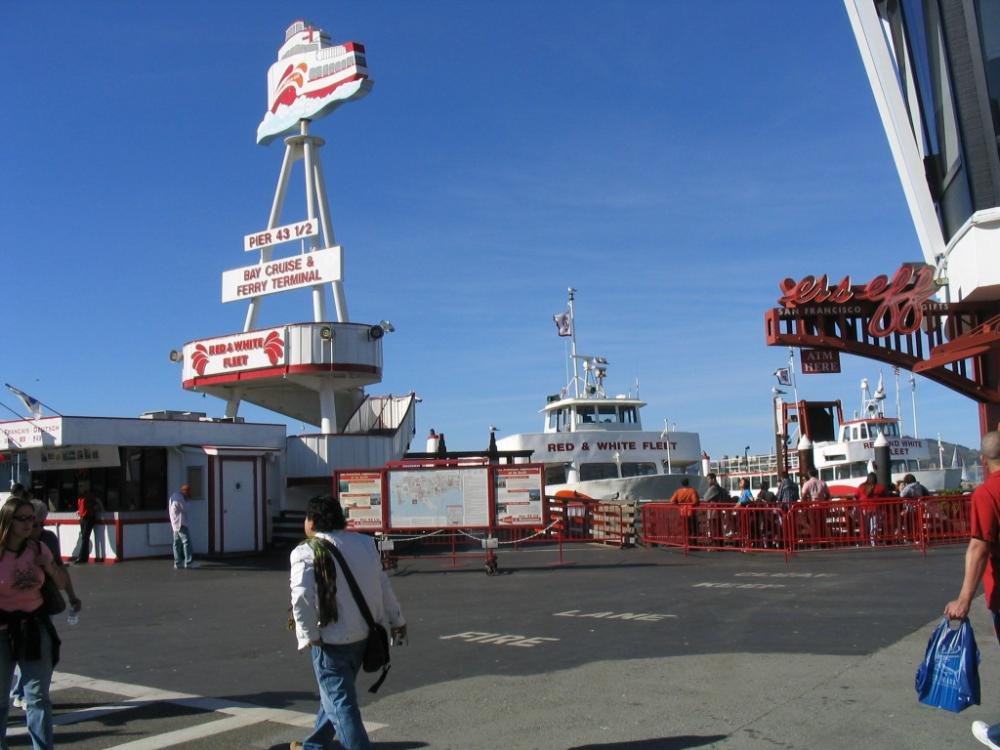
point(615, 648)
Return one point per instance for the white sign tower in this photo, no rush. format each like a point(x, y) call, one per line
point(314, 371)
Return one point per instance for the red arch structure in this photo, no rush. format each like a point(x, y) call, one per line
point(894, 320)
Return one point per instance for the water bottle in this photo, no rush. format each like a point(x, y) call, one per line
point(72, 618)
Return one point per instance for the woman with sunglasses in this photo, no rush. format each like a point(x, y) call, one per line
point(27, 637)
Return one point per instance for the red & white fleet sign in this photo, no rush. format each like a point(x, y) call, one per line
point(253, 350)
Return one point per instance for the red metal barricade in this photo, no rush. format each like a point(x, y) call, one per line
point(833, 524)
point(946, 519)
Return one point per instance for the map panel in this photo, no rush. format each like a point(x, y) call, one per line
point(438, 498)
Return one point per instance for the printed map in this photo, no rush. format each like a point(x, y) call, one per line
point(437, 499)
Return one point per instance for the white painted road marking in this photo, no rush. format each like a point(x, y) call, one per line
point(739, 586)
point(239, 715)
point(786, 575)
point(499, 639)
point(637, 616)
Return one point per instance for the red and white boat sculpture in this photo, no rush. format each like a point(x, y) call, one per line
point(311, 78)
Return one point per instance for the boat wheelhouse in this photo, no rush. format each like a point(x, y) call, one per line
point(594, 444)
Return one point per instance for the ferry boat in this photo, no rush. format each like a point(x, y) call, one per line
point(843, 451)
point(310, 78)
point(593, 444)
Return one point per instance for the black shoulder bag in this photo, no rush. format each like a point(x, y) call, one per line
point(377, 647)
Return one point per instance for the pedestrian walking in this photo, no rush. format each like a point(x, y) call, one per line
point(29, 640)
point(982, 558)
point(329, 623)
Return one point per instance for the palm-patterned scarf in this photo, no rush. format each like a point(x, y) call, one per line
point(326, 580)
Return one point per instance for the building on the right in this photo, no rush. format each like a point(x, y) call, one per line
point(934, 69)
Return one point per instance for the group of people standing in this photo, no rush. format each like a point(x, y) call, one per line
point(788, 491)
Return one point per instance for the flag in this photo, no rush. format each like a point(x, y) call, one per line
point(783, 375)
point(30, 403)
point(564, 324)
point(880, 390)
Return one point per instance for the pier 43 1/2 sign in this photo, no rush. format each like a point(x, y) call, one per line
point(898, 302)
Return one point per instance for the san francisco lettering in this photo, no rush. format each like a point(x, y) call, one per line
point(899, 300)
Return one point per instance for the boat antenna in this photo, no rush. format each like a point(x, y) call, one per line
point(572, 331)
point(899, 407)
point(913, 399)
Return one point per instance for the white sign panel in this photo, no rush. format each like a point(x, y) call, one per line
point(360, 496)
point(78, 457)
point(308, 269)
point(253, 350)
point(519, 495)
point(35, 433)
point(268, 237)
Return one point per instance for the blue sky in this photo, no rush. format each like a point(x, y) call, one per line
point(671, 160)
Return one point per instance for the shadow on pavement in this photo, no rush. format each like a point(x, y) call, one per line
point(661, 743)
point(376, 745)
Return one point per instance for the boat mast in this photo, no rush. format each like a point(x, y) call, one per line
point(572, 333)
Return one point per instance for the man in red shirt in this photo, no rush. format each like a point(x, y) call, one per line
point(88, 508)
point(982, 560)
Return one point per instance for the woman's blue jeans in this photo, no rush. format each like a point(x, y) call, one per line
point(336, 667)
point(35, 679)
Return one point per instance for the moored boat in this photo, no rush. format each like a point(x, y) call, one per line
point(843, 450)
point(593, 444)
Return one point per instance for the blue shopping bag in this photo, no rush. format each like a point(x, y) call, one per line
point(949, 675)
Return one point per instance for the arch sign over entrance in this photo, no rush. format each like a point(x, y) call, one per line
point(896, 321)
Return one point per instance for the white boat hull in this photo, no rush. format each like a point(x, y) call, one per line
point(935, 480)
point(629, 489)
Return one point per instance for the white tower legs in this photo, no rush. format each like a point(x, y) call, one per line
point(303, 147)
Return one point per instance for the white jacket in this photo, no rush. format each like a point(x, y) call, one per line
point(362, 557)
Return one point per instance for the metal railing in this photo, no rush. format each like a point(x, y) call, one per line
point(834, 524)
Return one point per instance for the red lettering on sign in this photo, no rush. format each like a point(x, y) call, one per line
point(899, 299)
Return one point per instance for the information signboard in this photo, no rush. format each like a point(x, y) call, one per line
point(360, 494)
point(518, 493)
point(438, 498)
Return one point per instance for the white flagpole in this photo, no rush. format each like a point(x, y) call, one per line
point(791, 372)
point(572, 331)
